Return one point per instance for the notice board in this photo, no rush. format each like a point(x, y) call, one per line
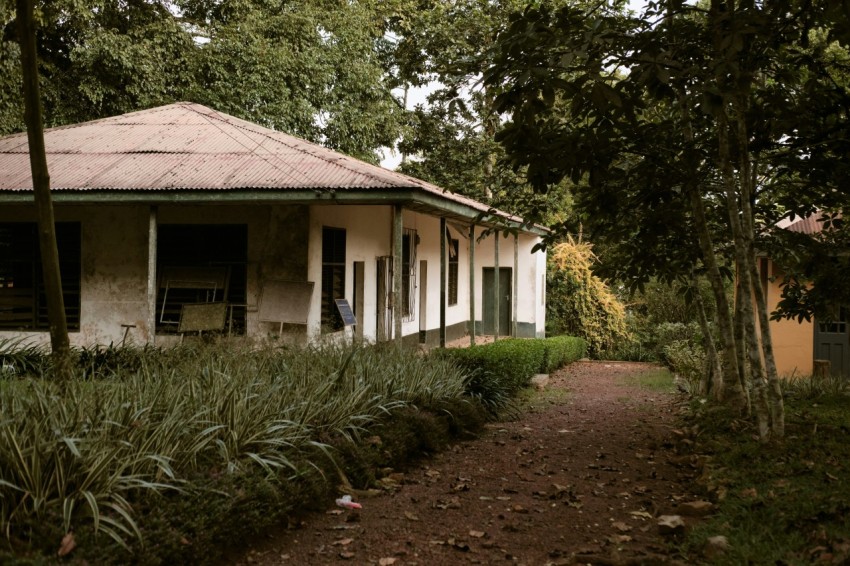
point(348, 318)
point(285, 301)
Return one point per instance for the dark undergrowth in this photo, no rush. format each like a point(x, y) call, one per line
point(784, 502)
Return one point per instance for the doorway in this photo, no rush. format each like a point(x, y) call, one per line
point(505, 300)
point(384, 312)
point(423, 300)
point(832, 342)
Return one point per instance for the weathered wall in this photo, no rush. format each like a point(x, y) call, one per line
point(368, 230)
point(284, 243)
point(113, 274)
point(277, 249)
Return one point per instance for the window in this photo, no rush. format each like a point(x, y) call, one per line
point(23, 302)
point(454, 247)
point(409, 239)
point(201, 263)
point(333, 277)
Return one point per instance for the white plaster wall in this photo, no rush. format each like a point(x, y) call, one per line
point(368, 231)
point(115, 247)
point(113, 275)
point(530, 274)
point(368, 235)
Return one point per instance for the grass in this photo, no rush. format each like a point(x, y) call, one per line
point(785, 502)
point(654, 379)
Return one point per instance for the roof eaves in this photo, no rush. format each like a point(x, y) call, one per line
point(413, 197)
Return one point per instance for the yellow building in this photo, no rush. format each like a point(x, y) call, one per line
point(796, 345)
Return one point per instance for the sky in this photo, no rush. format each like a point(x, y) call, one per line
point(419, 95)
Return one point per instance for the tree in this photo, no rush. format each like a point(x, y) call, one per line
point(312, 68)
point(598, 96)
point(451, 141)
point(59, 341)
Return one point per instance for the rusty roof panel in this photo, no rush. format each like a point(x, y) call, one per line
point(188, 146)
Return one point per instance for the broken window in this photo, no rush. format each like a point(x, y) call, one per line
point(454, 250)
point(201, 263)
point(409, 240)
point(333, 277)
point(23, 302)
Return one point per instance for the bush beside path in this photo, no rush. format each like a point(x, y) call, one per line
point(581, 476)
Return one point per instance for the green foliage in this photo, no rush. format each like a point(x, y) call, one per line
point(562, 350)
point(308, 67)
point(167, 425)
point(580, 303)
point(498, 370)
point(655, 379)
point(686, 359)
point(780, 502)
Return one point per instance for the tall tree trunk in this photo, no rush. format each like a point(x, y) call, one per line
point(60, 345)
point(732, 390)
point(712, 381)
point(745, 288)
point(774, 388)
point(740, 334)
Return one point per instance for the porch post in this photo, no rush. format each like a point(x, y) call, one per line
point(514, 301)
point(496, 294)
point(152, 236)
point(442, 282)
point(397, 267)
point(472, 285)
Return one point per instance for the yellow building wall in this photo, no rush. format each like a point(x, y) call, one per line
point(793, 342)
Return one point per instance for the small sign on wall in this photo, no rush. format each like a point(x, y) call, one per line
point(348, 318)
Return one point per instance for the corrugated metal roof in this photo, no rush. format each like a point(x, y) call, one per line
point(186, 146)
point(812, 224)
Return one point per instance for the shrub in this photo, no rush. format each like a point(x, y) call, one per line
point(686, 359)
point(580, 303)
point(562, 350)
point(498, 370)
point(204, 427)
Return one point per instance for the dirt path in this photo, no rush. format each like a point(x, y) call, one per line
point(579, 478)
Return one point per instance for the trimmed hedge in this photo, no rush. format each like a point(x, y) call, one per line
point(498, 370)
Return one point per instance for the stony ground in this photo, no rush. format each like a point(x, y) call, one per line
point(581, 477)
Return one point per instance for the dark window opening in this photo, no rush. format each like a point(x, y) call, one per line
point(409, 240)
point(454, 249)
point(23, 302)
point(201, 263)
point(333, 277)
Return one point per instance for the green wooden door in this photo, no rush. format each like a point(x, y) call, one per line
point(505, 302)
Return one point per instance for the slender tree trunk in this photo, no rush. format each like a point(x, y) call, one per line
point(712, 381)
point(745, 287)
point(774, 388)
point(732, 391)
point(59, 342)
point(740, 333)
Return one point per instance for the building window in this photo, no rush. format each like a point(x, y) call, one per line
point(454, 247)
point(201, 263)
point(409, 239)
point(333, 277)
point(23, 302)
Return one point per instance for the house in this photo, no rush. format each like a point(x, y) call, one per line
point(181, 219)
point(797, 345)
